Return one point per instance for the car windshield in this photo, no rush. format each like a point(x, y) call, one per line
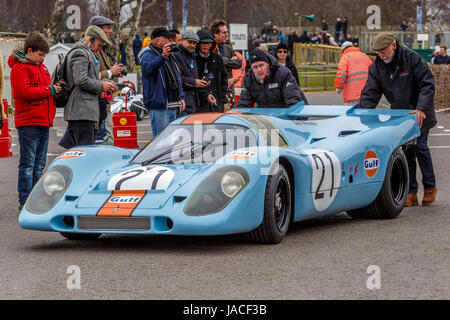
point(195, 144)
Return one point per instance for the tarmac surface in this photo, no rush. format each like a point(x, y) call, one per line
point(334, 257)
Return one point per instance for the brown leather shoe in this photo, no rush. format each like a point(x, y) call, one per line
point(412, 200)
point(429, 196)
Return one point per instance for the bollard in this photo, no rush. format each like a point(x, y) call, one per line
point(5, 137)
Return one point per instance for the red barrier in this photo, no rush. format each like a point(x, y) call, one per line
point(5, 137)
point(125, 129)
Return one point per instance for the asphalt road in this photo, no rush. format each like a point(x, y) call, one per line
point(329, 258)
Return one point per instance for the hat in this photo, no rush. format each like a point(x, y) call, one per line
point(161, 32)
point(99, 21)
point(97, 33)
point(345, 45)
point(205, 36)
point(257, 55)
point(189, 35)
point(382, 41)
point(282, 45)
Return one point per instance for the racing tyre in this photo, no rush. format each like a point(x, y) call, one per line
point(392, 197)
point(80, 236)
point(277, 209)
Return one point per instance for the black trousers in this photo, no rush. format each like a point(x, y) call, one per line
point(78, 133)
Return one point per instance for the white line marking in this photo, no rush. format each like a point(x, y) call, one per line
point(440, 127)
point(439, 147)
point(439, 134)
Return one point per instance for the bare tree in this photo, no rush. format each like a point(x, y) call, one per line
point(52, 29)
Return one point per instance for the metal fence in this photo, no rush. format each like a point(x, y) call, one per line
point(315, 54)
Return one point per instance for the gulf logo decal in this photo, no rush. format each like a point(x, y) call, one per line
point(371, 163)
point(71, 154)
point(121, 203)
point(241, 154)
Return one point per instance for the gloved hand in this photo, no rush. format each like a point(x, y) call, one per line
point(338, 90)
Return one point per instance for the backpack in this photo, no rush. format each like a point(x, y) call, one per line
point(59, 76)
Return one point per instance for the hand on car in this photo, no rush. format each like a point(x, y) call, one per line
point(420, 116)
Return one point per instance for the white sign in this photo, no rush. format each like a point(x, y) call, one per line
point(239, 36)
point(422, 37)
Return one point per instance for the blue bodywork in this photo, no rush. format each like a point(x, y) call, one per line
point(336, 158)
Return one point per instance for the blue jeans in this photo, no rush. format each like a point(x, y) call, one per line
point(33, 142)
point(421, 152)
point(161, 119)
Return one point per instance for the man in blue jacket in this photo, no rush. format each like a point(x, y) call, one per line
point(162, 86)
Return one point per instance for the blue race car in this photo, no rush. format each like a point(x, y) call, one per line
point(248, 171)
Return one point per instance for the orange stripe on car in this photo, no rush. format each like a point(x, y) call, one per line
point(121, 203)
point(202, 118)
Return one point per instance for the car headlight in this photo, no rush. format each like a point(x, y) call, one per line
point(49, 189)
point(232, 182)
point(215, 192)
point(53, 182)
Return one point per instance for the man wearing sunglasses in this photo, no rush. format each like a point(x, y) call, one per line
point(269, 84)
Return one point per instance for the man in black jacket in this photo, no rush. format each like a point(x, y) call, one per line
point(269, 84)
point(407, 83)
point(212, 69)
point(189, 72)
point(442, 57)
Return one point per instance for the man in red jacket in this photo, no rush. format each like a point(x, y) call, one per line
point(34, 109)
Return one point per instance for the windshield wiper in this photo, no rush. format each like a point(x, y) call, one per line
point(191, 144)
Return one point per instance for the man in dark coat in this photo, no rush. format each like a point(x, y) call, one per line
point(211, 64)
point(407, 83)
point(137, 45)
point(189, 72)
point(442, 57)
point(269, 84)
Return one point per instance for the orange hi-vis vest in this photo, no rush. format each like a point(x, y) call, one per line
point(239, 72)
point(352, 73)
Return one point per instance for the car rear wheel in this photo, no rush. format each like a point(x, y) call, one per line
point(277, 209)
point(392, 197)
point(80, 236)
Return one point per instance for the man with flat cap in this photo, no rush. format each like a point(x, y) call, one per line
point(161, 81)
point(407, 83)
point(82, 109)
point(269, 84)
point(187, 63)
point(109, 70)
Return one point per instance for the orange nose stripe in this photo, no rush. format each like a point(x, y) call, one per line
point(121, 203)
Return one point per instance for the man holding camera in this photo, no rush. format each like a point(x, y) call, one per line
point(162, 86)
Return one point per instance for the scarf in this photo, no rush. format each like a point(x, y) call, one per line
point(168, 72)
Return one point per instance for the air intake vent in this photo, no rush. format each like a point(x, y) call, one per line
point(114, 223)
point(347, 133)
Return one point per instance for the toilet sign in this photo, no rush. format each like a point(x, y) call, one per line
point(239, 36)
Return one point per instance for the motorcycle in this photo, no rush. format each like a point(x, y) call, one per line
point(129, 99)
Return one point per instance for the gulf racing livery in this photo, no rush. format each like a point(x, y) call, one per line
point(248, 171)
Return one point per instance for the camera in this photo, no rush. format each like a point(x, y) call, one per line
point(124, 72)
point(174, 47)
point(209, 77)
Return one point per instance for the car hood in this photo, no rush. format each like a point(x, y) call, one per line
point(158, 183)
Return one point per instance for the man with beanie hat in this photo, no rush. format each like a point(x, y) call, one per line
point(268, 83)
point(352, 72)
point(407, 83)
point(212, 69)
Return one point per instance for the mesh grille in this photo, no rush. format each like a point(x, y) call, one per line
point(113, 223)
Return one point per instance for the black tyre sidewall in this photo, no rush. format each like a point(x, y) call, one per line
point(269, 210)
